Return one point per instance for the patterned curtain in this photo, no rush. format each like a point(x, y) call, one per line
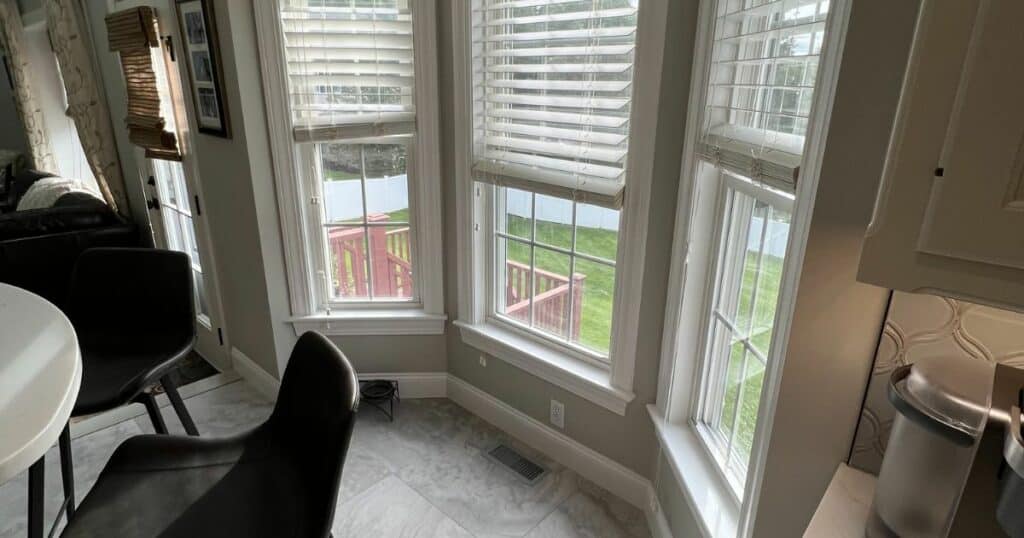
point(85, 106)
point(12, 41)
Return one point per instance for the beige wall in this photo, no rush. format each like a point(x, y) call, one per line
point(837, 320)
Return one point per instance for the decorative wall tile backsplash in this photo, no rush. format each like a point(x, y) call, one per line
point(921, 326)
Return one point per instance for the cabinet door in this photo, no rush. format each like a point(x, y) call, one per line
point(976, 206)
point(950, 213)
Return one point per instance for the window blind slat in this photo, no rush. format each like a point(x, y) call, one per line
point(611, 139)
point(347, 66)
point(562, 85)
point(558, 149)
point(562, 51)
point(583, 15)
point(584, 33)
point(559, 101)
point(582, 120)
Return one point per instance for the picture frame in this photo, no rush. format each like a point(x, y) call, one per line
point(201, 51)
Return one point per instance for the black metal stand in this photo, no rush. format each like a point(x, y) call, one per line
point(378, 392)
point(147, 399)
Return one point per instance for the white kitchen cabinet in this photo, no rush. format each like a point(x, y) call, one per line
point(949, 219)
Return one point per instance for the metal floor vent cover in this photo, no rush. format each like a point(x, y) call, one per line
point(528, 471)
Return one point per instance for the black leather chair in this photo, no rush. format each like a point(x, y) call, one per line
point(133, 311)
point(280, 479)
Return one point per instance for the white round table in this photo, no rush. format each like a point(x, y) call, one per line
point(40, 372)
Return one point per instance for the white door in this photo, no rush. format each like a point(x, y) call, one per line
point(174, 199)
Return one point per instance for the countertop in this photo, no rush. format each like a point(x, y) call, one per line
point(843, 510)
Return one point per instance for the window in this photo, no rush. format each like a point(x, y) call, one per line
point(553, 110)
point(360, 186)
point(556, 104)
point(758, 95)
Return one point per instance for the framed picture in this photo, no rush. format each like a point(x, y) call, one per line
point(201, 52)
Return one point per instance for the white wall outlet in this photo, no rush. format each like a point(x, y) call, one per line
point(558, 413)
point(483, 361)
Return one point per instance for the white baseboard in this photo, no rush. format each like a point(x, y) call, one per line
point(264, 383)
point(106, 419)
point(590, 464)
point(414, 385)
point(656, 521)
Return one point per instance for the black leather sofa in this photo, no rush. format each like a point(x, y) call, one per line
point(39, 247)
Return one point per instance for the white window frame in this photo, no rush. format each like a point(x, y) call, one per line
point(714, 503)
point(299, 225)
point(611, 385)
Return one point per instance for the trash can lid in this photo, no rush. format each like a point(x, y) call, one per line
point(953, 393)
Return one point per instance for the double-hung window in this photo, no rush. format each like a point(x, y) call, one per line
point(362, 196)
point(551, 101)
point(759, 86)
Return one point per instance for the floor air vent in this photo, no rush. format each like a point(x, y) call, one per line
point(515, 462)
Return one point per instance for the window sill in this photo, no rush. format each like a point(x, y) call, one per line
point(574, 375)
point(371, 323)
point(710, 498)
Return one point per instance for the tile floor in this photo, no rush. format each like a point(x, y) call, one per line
point(422, 476)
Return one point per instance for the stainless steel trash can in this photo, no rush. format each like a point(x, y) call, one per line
point(943, 405)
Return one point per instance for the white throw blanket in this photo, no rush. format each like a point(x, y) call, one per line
point(45, 192)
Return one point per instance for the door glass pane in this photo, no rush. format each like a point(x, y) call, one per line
point(179, 228)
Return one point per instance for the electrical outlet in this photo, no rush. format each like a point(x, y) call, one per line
point(483, 361)
point(558, 413)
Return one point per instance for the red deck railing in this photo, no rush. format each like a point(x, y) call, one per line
point(390, 265)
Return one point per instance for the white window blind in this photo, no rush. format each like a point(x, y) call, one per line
point(350, 67)
point(552, 92)
point(761, 84)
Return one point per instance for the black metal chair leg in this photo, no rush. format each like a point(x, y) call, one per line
point(154, 412)
point(67, 470)
point(171, 388)
point(36, 480)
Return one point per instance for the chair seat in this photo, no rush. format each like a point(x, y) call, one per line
point(239, 486)
point(114, 374)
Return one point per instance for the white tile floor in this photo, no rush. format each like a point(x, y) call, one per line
point(423, 475)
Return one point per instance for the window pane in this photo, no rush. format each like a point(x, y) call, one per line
point(753, 215)
point(594, 285)
point(551, 294)
point(391, 261)
point(772, 257)
point(514, 278)
point(347, 260)
point(730, 389)
point(342, 170)
point(387, 189)
point(554, 221)
point(750, 399)
point(597, 232)
point(513, 211)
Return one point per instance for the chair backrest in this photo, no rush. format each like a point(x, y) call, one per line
point(314, 416)
point(133, 291)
